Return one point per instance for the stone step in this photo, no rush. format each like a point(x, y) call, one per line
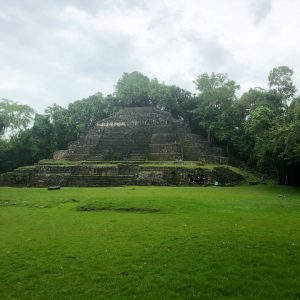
point(210, 159)
point(165, 148)
point(163, 138)
point(166, 156)
point(118, 180)
point(137, 157)
point(119, 148)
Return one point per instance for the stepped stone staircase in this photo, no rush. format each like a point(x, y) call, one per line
point(141, 133)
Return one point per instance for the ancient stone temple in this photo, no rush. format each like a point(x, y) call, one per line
point(136, 146)
point(141, 133)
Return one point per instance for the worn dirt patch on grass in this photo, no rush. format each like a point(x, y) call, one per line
point(90, 207)
point(7, 203)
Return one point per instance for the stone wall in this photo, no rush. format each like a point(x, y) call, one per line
point(116, 175)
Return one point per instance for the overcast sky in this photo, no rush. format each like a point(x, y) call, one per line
point(60, 51)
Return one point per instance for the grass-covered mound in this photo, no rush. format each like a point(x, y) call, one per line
point(150, 243)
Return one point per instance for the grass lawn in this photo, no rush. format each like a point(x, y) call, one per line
point(150, 243)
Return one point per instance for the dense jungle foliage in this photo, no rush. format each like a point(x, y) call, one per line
point(260, 129)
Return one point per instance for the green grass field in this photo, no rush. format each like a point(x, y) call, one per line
point(150, 243)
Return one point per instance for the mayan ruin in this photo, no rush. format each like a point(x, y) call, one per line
point(135, 146)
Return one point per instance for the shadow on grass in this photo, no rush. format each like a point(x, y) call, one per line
point(93, 207)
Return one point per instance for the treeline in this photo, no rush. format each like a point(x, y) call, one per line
point(260, 129)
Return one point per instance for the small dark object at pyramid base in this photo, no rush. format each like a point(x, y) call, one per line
point(52, 188)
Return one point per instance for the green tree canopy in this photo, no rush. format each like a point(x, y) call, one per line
point(215, 100)
point(280, 81)
point(14, 116)
point(170, 98)
point(63, 125)
point(85, 112)
point(260, 120)
point(257, 97)
point(133, 90)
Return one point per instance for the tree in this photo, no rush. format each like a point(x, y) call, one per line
point(64, 127)
point(28, 146)
point(85, 112)
point(280, 81)
point(41, 138)
point(170, 98)
point(133, 90)
point(257, 97)
point(291, 152)
point(260, 120)
point(216, 87)
point(215, 106)
point(14, 116)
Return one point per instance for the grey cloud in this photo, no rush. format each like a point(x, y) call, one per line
point(215, 55)
point(36, 7)
point(107, 54)
point(260, 9)
point(212, 53)
point(67, 71)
